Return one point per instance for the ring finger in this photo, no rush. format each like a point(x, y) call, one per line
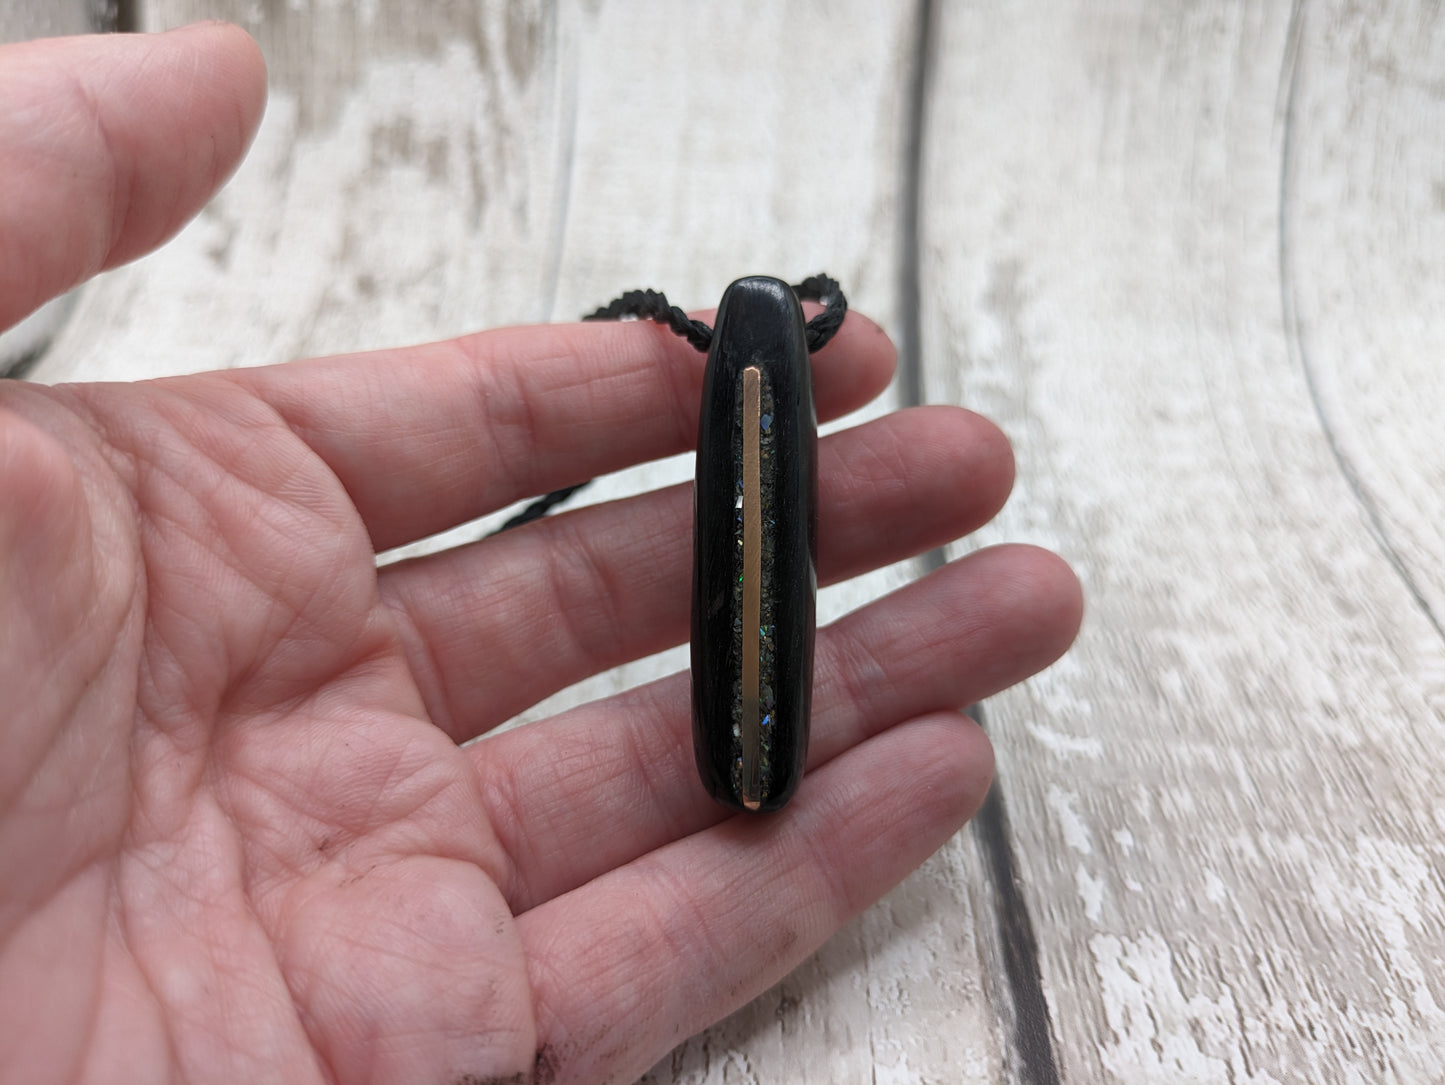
point(598, 786)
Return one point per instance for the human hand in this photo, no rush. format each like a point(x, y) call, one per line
point(239, 840)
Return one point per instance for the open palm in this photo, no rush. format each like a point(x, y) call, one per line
point(239, 839)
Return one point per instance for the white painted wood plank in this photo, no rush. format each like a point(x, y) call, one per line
point(426, 169)
point(399, 190)
point(1363, 182)
point(22, 20)
point(1225, 802)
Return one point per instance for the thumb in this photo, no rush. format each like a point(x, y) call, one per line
point(110, 144)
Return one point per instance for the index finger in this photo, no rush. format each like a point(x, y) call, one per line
point(428, 437)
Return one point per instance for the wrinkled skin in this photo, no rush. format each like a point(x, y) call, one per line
point(239, 838)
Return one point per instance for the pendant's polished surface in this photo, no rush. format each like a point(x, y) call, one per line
point(754, 580)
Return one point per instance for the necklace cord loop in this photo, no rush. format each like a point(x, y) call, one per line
point(653, 305)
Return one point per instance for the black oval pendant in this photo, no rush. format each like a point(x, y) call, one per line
point(754, 580)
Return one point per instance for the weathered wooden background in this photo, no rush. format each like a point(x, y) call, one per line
point(1190, 255)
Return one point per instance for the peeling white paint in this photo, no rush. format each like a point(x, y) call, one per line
point(1156, 1027)
point(1091, 892)
point(1215, 891)
point(1071, 826)
point(1066, 745)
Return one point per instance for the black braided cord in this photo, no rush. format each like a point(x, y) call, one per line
point(825, 325)
point(653, 305)
point(540, 507)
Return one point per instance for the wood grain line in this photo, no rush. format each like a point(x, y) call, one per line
point(1296, 340)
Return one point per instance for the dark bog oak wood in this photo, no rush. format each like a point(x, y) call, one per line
point(759, 330)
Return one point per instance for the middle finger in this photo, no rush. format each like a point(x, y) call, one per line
point(493, 628)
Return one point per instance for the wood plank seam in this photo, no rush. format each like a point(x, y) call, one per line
point(1031, 1033)
point(1032, 1024)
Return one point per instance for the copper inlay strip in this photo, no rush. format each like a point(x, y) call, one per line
point(752, 585)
